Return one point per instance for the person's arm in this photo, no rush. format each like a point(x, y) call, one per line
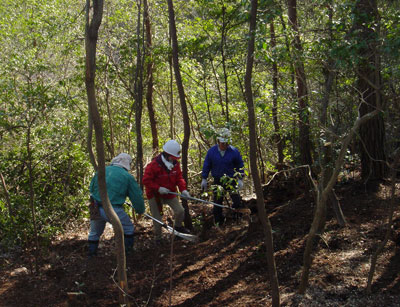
point(206, 166)
point(148, 179)
point(136, 196)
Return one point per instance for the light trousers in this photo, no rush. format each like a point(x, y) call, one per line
point(179, 213)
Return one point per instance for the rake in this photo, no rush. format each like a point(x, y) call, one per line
point(239, 210)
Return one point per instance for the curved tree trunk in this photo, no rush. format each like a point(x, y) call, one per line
point(322, 199)
point(273, 276)
point(91, 35)
point(185, 114)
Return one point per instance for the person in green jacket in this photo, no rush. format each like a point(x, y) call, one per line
point(120, 185)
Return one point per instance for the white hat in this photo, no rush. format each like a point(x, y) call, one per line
point(224, 135)
point(173, 148)
point(123, 160)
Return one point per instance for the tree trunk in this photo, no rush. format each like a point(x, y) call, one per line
point(150, 70)
point(277, 134)
point(138, 90)
point(223, 39)
point(327, 147)
point(89, 143)
point(91, 36)
point(267, 229)
point(7, 197)
point(393, 202)
point(185, 114)
point(32, 199)
point(302, 91)
point(322, 197)
point(372, 133)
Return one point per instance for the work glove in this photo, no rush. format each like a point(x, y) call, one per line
point(204, 184)
point(163, 190)
point(185, 194)
point(240, 184)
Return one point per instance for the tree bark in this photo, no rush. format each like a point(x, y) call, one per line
point(91, 36)
point(322, 197)
point(277, 134)
point(372, 133)
point(381, 246)
point(150, 70)
point(185, 114)
point(7, 197)
point(267, 229)
point(302, 90)
point(223, 40)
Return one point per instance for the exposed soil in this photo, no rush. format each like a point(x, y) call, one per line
point(228, 266)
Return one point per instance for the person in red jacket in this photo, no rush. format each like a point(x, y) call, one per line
point(161, 176)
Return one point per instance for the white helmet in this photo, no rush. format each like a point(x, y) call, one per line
point(173, 148)
point(224, 135)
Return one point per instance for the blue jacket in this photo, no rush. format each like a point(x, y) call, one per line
point(219, 166)
point(120, 185)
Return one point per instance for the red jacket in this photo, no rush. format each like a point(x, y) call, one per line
point(157, 175)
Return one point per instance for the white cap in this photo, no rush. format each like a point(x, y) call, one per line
point(173, 148)
point(123, 160)
point(224, 135)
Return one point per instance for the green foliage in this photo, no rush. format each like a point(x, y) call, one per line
point(43, 104)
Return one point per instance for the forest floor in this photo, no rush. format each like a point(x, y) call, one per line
point(228, 266)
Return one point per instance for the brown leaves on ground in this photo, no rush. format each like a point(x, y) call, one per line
point(228, 266)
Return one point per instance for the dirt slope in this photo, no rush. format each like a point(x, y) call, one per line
point(228, 266)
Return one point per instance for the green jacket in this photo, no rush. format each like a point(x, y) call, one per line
point(120, 185)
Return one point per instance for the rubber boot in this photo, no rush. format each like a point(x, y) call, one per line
point(93, 245)
point(128, 243)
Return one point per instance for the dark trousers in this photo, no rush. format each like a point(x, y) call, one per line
point(219, 197)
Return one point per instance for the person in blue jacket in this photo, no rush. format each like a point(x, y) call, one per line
point(120, 185)
point(225, 162)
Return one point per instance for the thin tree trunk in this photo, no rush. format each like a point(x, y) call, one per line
point(171, 85)
point(138, 86)
point(382, 245)
point(111, 147)
point(7, 196)
point(150, 70)
point(185, 114)
point(89, 143)
point(277, 133)
point(322, 197)
point(223, 39)
point(221, 100)
point(302, 91)
point(267, 229)
point(91, 36)
point(32, 199)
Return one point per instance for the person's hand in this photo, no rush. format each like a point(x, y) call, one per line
point(163, 190)
point(185, 194)
point(204, 184)
point(240, 184)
